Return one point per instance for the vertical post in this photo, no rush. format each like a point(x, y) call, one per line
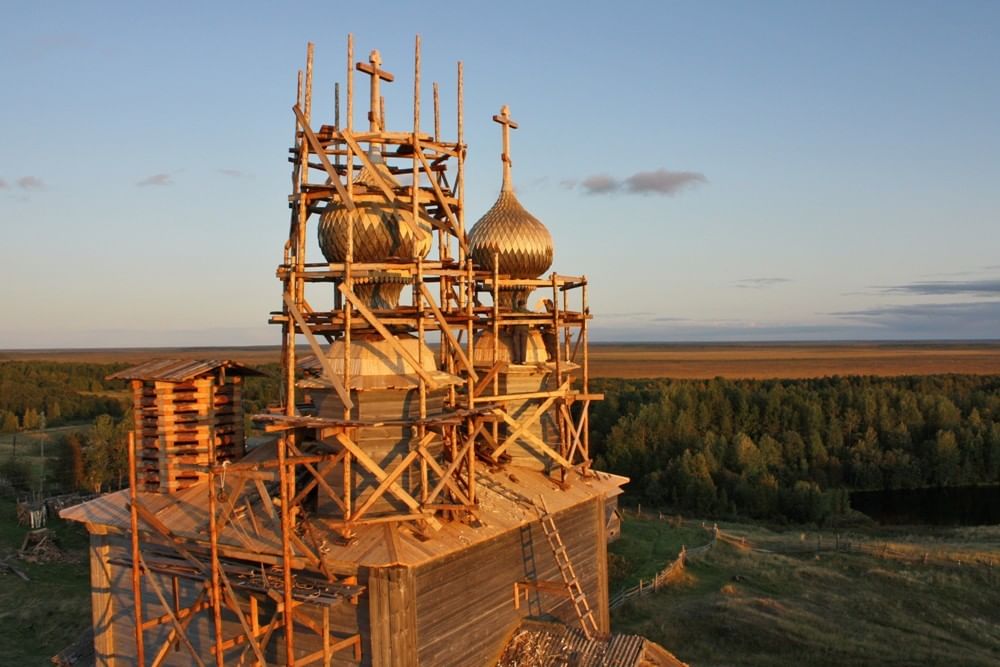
point(213, 536)
point(437, 113)
point(140, 655)
point(286, 549)
point(470, 292)
point(460, 181)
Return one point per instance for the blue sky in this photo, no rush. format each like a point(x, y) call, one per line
point(719, 170)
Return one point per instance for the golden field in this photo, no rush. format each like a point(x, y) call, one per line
point(673, 360)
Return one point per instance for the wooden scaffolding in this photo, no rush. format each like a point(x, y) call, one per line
point(281, 585)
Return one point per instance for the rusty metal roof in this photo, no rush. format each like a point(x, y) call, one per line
point(181, 370)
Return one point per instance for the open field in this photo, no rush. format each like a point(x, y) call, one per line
point(675, 360)
point(743, 606)
point(39, 618)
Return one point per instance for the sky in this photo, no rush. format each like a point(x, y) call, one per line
point(720, 171)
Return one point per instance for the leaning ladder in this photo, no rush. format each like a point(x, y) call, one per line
point(576, 594)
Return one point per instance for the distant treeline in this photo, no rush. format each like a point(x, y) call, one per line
point(34, 394)
point(792, 449)
point(93, 457)
point(42, 393)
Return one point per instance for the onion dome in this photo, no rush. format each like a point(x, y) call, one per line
point(380, 233)
point(517, 241)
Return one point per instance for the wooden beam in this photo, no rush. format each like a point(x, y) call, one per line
point(447, 332)
point(375, 469)
point(387, 335)
point(460, 455)
point(539, 444)
point(338, 385)
point(523, 424)
point(317, 148)
point(404, 215)
point(384, 485)
point(170, 612)
point(418, 150)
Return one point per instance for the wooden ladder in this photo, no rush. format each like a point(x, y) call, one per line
point(576, 594)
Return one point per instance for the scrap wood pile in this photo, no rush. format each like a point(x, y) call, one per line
point(39, 546)
point(543, 644)
point(31, 514)
point(80, 652)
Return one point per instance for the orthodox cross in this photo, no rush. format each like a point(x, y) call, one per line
point(377, 73)
point(504, 119)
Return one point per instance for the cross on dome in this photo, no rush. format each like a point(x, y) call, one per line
point(377, 74)
point(508, 124)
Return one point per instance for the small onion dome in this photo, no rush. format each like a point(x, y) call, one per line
point(529, 349)
point(520, 241)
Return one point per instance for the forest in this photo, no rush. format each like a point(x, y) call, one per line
point(793, 449)
point(95, 415)
point(775, 449)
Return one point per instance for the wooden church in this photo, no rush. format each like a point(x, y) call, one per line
point(425, 494)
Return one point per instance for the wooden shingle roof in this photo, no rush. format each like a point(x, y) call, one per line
point(181, 370)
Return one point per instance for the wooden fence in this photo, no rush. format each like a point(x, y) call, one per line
point(673, 570)
point(885, 550)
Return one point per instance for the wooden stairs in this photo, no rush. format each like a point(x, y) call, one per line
point(576, 594)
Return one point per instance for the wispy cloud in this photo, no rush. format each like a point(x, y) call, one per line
point(4, 185)
point(948, 287)
point(658, 182)
point(568, 183)
point(600, 184)
point(760, 283)
point(156, 179)
point(662, 182)
point(978, 319)
point(30, 183)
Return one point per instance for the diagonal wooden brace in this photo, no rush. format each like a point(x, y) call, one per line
point(447, 332)
point(317, 148)
point(387, 335)
point(521, 426)
point(375, 469)
point(535, 441)
point(338, 385)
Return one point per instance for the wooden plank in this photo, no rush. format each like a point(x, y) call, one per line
point(418, 150)
point(317, 148)
point(521, 426)
point(375, 469)
point(538, 443)
point(338, 385)
point(387, 335)
point(447, 331)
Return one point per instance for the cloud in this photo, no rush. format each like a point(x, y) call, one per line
point(3, 185)
point(234, 173)
point(948, 287)
point(980, 319)
point(658, 182)
point(760, 283)
point(662, 182)
point(600, 184)
point(156, 179)
point(30, 183)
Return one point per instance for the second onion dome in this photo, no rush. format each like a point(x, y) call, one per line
point(509, 235)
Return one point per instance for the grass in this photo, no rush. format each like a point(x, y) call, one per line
point(740, 607)
point(41, 617)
